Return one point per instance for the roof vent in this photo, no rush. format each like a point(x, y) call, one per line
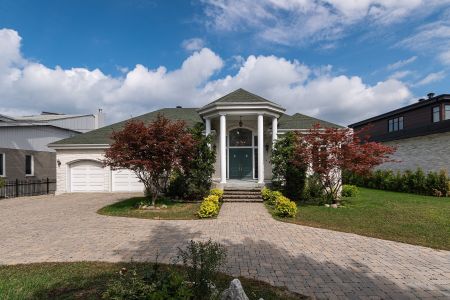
point(430, 95)
point(421, 99)
point(179, 106)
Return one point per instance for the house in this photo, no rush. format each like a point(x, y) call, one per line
point(420, 132)
point(243, 124)
point(24, 153)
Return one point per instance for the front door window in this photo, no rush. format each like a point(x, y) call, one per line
point(240, 153)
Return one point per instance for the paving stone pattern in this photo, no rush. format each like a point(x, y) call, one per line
point(317, 262)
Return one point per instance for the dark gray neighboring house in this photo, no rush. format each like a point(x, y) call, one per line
point(24, 154)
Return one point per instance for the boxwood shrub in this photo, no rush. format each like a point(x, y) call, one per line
point(349, 190)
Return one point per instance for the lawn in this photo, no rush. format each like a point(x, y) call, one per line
point(176, 210)
point(87, 280)
point(408, 218)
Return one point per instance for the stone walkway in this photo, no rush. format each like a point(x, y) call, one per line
point(317, 262)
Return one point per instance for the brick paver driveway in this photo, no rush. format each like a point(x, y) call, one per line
point(322, 263)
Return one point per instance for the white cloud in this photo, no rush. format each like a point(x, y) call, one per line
point(27, 86)
point(193, 44)
point(432, 77)
point(433, 38)
point(401, 74)
point(401, 63)
point(305, 21)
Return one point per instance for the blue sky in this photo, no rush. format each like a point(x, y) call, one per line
point(333, 59)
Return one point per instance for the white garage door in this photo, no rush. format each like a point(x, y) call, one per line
point(87, 176)
point(126, 181)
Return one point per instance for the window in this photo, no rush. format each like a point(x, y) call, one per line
point(436, 114)
point(2, 164)
point(240, 137)
point(395, 124)
point(447, 112)
point(29, 165)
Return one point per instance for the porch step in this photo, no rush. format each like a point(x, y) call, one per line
point(242, 195)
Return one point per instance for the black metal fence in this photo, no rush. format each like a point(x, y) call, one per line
point(19, 188)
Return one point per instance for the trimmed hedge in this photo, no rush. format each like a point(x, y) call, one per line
point(433, 184)
point(210, 205)
point(349, 190)
point(283, 207)
point(217, 192)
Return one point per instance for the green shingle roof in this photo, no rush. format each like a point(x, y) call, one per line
point(299, 121)
point(191, 117)
point(101, 135)
point(239, 96)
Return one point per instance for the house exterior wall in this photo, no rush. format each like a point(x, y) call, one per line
point(81, 124)
point(430, 153)
point(31, 137)
point(68, 156)
point(44, 164)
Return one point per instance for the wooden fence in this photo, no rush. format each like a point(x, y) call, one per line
point(19, 188)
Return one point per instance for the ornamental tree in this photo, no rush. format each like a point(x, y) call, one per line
point(330, 151)
point(151, 151)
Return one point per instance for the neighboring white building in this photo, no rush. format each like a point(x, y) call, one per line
point(24, 153)
point(244, 126)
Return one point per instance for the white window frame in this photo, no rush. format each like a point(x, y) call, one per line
point(3, 162)
point(32, 165)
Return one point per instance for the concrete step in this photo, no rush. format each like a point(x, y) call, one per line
point(242, 200)
point(242, 193)
point(250, 196)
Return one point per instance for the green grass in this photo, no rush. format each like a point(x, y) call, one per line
point(408, 218)
point(88, 280)
point(175, 210)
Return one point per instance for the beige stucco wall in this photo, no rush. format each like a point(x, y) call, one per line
point(430, 153)
point(66, 157)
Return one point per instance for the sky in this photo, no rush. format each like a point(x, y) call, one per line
point(338, 60)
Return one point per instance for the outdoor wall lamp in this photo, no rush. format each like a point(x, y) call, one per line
point(59, 163)
point(267, 148)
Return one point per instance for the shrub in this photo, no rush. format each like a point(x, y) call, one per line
point(270, 196)
point(202, 261)
point(156, 284)
point(195, 181)
point(287, 177)
point(209, 207)
point(217, 192)
point(313, 192)
point(349, 190)
point(2, 182)
point(433, 183)
point(285, 207)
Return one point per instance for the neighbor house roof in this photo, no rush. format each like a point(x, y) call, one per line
point(240, 96)
point(299, 121)
point(102, 135)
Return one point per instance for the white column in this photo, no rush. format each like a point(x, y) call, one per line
point(223, 152)
point(274, 130)
point(207, 126)
point(260, 148)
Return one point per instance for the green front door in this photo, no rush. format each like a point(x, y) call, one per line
point(241, 163)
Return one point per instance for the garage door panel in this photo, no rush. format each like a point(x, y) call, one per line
point(87, 176)
point(126, 181)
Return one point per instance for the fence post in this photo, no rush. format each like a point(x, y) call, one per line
point(48, 186)
point(17, 187)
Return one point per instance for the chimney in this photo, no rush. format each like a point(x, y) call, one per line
point(430, 95)
point(99, 119)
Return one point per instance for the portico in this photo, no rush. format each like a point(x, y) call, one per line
point(245, 127)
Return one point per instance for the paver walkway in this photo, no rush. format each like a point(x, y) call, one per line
point(312, 261)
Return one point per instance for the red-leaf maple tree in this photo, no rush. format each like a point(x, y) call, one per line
point(151, 151)
point(329, 151)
